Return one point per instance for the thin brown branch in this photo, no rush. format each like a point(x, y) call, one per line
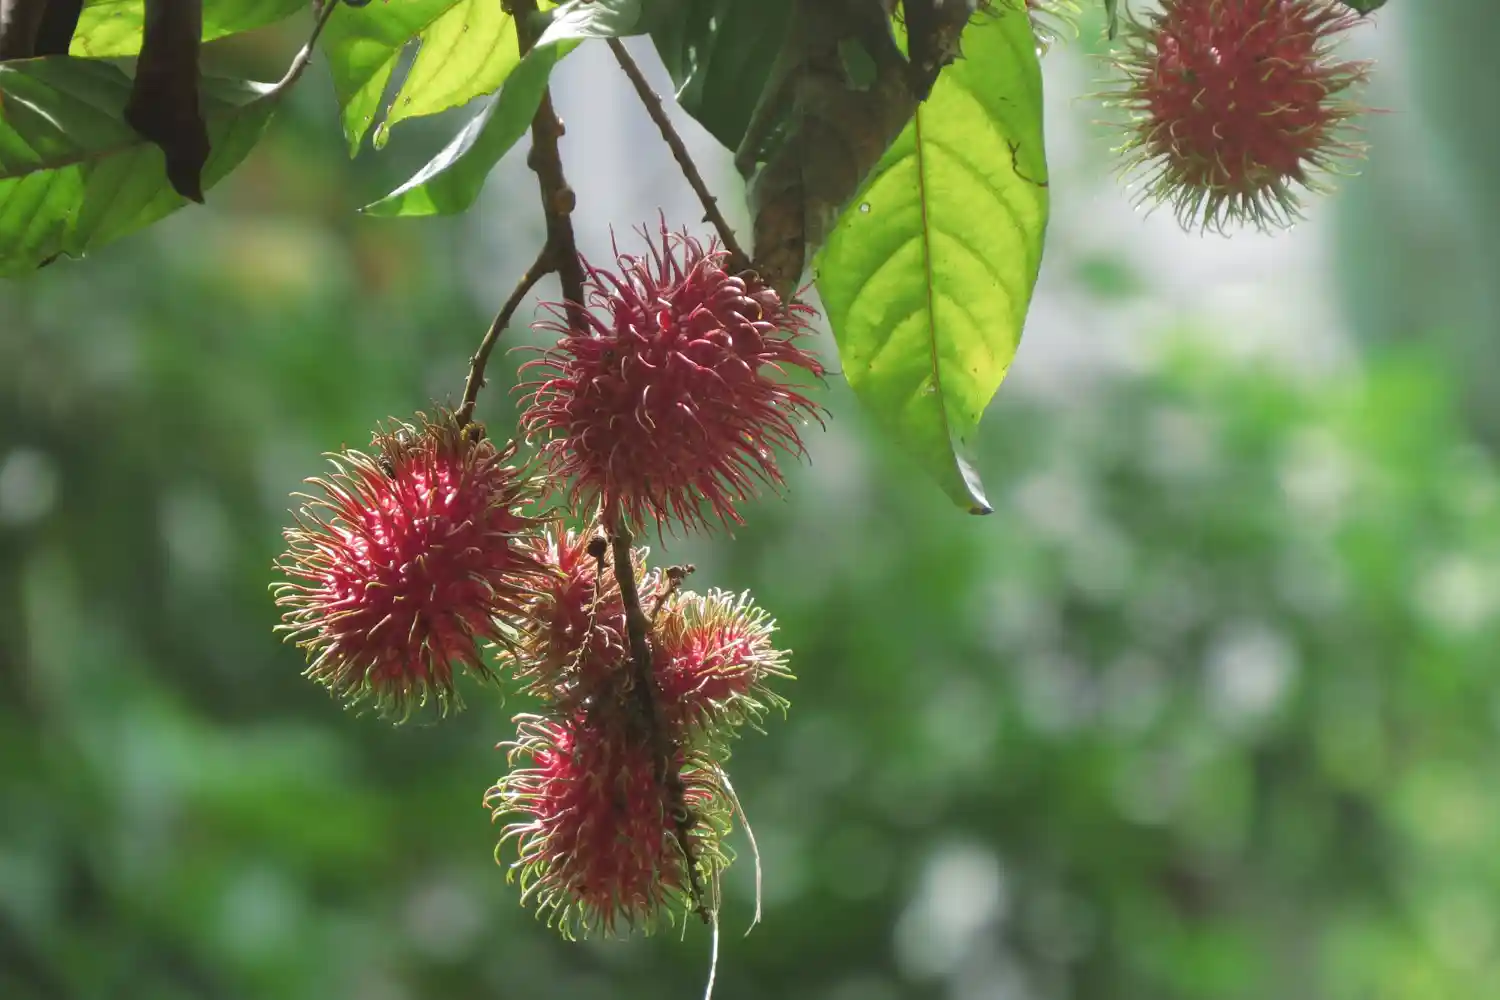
point(304, 58)
point(558, 198)
point(738, 259)
point(538, 270)
point(643, 683)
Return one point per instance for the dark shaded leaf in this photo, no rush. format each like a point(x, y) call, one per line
point(450, 182)
point(719, 54)
point(74, 175)
point(819, 133)
point(111, 28)
point(1365, 6)
point(57, 28)
point(163, 103)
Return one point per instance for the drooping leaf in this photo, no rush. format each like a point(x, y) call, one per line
point(466, 48)
point(719, 54)
point(927, 278)
point(450, 181)
point(112, 28)
point(164, 104)
point(1365, 6)
point(74, 175)
point(1112, 17)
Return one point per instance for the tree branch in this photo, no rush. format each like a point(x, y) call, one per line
point(643, 684)
point(20, 20)
point(539, 269)
point(304, 58)
point(738, 259)
point(545, 159)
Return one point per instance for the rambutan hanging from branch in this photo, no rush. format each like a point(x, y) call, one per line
point(666, 399)
point(408, 558)
point(1234, 107)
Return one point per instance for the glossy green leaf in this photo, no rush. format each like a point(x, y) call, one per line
point(74, 176)
point(466, 48)
point(927, 277)
point(719, 54)
point(1365, 6)
point(111, 28)
point(450, 182)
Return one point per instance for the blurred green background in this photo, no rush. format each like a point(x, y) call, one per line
point(1206, 711)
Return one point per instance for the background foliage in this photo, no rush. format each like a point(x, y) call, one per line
point(1205, 711)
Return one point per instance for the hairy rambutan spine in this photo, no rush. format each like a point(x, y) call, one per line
point(409, 557)
point(1233, 106)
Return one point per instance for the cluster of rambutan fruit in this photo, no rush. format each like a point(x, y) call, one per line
point(662, 404)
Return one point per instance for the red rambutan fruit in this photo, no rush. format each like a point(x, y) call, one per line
point(1236, 104)
point(575, 645)
point(409, 558)
point(595, 828)
point(660, 400)
point(713, 657)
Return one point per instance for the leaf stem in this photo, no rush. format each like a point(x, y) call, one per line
point(738, 259)
point(560, 253)
point(545, 160)
point(304, 58)
point(538, 270)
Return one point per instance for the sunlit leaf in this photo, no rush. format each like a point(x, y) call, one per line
point(451, 181)
point(927, 277)
point(109, 28)
point(466, 48)
point(719, 54)
point(74, 175)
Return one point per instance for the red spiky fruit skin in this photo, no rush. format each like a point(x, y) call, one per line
point(663, 398)
point(406, 561)
point(714, 657)
point(595, 830)
point(1236, 105)
point(576, 647)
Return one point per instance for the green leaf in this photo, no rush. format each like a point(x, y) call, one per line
point(112, 28)
point(579, 19)
point(74, 176)
point(927, 277)
point(450, 182)
point(719, 54)
point(1365, 6)
point(1112, 17)
point(466, 49)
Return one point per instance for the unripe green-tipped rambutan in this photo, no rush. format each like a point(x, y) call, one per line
point(713, 659)
point(575, 646)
